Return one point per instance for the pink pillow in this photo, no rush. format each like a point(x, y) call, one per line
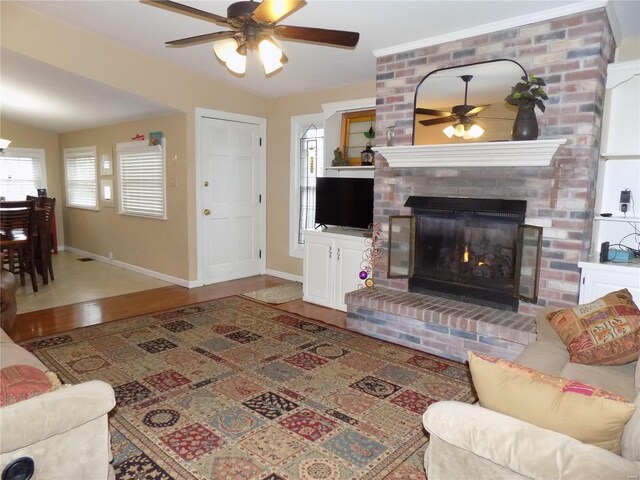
point(19, 382)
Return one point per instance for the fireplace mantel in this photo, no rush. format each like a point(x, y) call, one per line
point(532, 153)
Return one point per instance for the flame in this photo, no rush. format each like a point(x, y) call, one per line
point(465, 256)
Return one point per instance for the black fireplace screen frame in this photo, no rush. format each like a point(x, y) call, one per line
point(527, 250)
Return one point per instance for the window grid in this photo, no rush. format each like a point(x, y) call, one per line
point(142, 180)
point(311, 153)
point(22, 173)
point(81, 177)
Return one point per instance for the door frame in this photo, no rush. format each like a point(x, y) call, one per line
point(201, 113)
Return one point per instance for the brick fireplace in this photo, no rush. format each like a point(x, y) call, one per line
point(571, 53)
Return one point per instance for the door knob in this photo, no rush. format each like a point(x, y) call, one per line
point(207, 211)
point(206, 184)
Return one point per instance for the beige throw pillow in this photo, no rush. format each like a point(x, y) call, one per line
point(581, 411)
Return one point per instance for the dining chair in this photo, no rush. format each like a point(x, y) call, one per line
point(45, 208)
point(16, 226)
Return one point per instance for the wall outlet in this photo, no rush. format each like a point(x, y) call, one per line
point(625, 198)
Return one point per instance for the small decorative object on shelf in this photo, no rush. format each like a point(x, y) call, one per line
point(138, 138)
point(526, 95)
point(155, 138)
point(338, 158)
point(370, 256)
point(367, 155)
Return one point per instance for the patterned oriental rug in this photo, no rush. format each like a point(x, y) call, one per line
point(237, 390)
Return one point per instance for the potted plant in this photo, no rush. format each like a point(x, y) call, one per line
point(526, 95)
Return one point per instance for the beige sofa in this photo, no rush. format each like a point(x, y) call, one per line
point(64, 432)
point(469, 441)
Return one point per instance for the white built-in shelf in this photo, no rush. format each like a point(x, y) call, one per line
point(352, 168)
point(532, 153)
point(617, 218)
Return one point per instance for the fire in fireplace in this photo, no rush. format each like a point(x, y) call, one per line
point(471, 250)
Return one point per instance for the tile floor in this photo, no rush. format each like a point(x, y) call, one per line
point(78, 281)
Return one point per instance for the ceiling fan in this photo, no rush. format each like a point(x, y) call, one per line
point(462, 114)
point(252, 24)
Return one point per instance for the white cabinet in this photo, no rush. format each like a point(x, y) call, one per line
point(332, 262)
point(598, 279)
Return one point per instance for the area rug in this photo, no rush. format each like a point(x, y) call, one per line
point(234, 389)
point(278, 294)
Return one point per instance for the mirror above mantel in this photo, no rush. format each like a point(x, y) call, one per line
point(463, 96)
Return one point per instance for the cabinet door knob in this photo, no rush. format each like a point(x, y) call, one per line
point(207, 211)
point(206, 184)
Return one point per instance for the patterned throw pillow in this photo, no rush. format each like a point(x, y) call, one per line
point(603, 332)
point(584, 412)
point(19, 382)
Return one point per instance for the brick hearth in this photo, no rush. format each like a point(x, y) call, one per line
point(436, 325)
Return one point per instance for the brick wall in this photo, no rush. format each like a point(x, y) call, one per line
point(571, 54)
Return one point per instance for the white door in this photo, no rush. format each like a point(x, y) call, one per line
point(318, 268)
point(349, 256)
point(230, 193)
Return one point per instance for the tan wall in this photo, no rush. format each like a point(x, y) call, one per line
point(278, 165)
point(26, 136)
point(158, 245)
point(83, 53)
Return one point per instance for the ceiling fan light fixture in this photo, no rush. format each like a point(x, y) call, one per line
point(476, 131)
point(4, 144)
point(237, 63)
point(449, 131)
point(225, 48)
point(270, 55)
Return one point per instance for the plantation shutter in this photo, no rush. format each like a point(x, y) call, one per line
point(22, 173)
point(142, 180)
point(81, 177)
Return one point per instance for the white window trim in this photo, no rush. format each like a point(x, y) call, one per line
point(299, 123)
point(129, 146)
point(31, 153)
point(85, 151)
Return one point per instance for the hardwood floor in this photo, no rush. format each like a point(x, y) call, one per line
point(59, 319)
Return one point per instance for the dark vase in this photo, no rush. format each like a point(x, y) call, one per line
point(525, 125)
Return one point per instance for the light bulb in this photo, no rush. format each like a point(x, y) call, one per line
point(449, 131)
point(467, 135)
point(459, 130)
point(225, 48)
point(476, 131)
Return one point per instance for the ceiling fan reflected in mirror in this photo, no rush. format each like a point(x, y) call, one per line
point(253, 24)
point(462, 116)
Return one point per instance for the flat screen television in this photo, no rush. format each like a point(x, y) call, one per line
point(344, 202)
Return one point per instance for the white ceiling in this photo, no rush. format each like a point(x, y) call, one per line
point(382, 24)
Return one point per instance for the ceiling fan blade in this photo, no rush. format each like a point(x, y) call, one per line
point(186, 10)
point(317, 35)
point(437, 121)
point(433, 113)
point(477, 110)
point(198, 39)
point(270, 11)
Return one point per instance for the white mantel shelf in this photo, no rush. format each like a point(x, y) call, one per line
point(531, 153)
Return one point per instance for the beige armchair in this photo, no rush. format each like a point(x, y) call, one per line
point(64, 433)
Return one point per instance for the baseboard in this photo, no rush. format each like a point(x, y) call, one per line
point(134, 268)
point(284, 275)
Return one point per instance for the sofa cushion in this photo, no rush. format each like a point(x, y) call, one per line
point(603, 332)
point(581, 411)
point(616, 379)
point(20, 382)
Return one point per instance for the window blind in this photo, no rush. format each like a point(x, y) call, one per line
point(81, 177)
point(142, 180)
point(22, 172)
